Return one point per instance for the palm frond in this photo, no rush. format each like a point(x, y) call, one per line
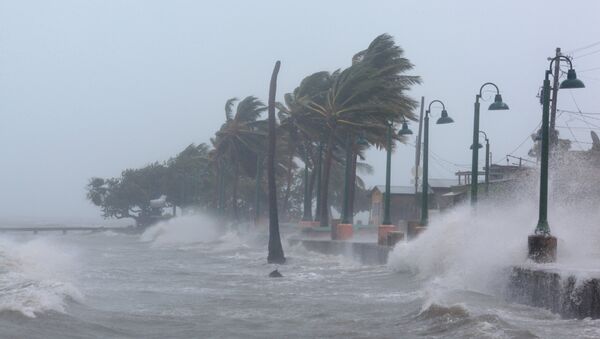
point(229, 108)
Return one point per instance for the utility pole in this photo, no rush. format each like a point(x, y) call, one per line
point(555, 86)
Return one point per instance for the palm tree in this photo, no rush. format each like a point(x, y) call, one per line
point(364, 98)
point(238, 140)
point(275, 250)
point(298, 131)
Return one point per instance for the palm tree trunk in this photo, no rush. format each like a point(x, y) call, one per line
point(275, 255)
point(311, 186)
point(234, 204)
point(306, 208)
point(324, 209)
point(288, 187)
point(319, 175)
point(352, 187)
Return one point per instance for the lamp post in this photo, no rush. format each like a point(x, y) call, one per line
point(542, 245)
point(344, 230)
point(497, 105)
point(487, 161)
point(387, 226)
point(444, 119)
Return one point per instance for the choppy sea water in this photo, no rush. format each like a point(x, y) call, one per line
point(191, 281)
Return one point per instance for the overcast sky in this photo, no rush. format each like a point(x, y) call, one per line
point(88, 88)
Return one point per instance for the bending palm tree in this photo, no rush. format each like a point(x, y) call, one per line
point(239, 139)
point(364, 98)
point(275, 255)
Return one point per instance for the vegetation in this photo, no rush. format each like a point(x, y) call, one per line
point(327, 110)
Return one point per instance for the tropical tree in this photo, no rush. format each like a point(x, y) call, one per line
point(238, 141)
point(363, 99)
point(129, 195)
point(299, 132)
point(189, 177)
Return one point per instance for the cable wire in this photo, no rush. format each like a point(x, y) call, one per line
point(584, 47)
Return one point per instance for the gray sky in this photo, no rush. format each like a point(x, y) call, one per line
point(88, 88)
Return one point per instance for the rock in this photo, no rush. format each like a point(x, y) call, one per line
point(275, 274)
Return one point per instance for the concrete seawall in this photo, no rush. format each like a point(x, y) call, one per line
point(364, 253)
point(557, 291)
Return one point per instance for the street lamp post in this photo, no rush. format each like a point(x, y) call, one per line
point(344, 230)
point(497, 105)
point(487, 161)
point(387, 220)
point(387, 226)
point(444, 119)
point(542, 245)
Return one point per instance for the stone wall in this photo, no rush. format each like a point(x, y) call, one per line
point(557, 292)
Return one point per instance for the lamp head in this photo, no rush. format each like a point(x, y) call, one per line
point(405, 130)
point(478, 146)
point(498, 104)
point(444, 119)
point(572, 81)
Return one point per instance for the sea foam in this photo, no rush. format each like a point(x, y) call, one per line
point(36, 276)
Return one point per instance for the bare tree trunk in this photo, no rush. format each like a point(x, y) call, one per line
point(275, 255)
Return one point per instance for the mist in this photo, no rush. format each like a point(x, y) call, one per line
point(91, 88)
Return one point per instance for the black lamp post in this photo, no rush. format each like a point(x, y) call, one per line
point(387, 226)
point(487, 161)
point(542, 245)
point(497, 105)
point(444, 119)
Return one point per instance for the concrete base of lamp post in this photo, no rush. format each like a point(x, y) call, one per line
point(394, 237)
point(419, 230)
point(542, 248)
point(308, 223)
point(413, 229)
point(382, 233)
point(344, 231)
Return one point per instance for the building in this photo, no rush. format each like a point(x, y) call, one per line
point(405, 205)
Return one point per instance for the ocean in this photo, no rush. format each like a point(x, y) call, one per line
point(189, 278)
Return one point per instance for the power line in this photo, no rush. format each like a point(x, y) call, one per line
point(576, 127)
point(584, 47)
point(577, 112)
point(590, 53)
point(589, 69)
point(526, 138)
point(573, 135)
